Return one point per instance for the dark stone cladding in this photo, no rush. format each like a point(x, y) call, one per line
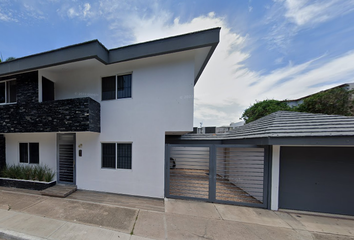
point(26, 184)
point(69, 115)
point(27, 87)
point(2, 151)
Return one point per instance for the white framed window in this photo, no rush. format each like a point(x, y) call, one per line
point(117, 155)
point(8, 91)
point(29, 153)
point(117, 87)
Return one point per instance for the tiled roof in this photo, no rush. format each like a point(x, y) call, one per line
point(287, 124)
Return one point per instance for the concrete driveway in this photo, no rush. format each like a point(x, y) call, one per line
point(92, 215)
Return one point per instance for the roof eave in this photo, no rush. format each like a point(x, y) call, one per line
point(95, 50)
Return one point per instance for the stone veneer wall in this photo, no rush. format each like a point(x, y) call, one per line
point(27, 87)
point(2, 151)
point(69, 115)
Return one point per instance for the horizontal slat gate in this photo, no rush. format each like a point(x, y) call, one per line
point(66, 163)
point(189, 172)
point(216, 173)
point(240, 174)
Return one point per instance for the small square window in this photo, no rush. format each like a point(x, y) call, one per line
point(117, 155)
point(29, 153)
point(117, 87)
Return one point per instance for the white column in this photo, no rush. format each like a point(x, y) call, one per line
point(275, 178)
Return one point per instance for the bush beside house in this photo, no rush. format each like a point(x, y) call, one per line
point(336, 101)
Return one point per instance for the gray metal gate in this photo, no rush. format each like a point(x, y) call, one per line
point(66, 158)
point(217, 173)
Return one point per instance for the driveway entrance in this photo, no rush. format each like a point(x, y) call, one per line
point(232, 174)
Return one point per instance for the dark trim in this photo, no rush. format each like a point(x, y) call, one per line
point(296, 141)
point(334, 140)
point(95, 50)
point(205, 63)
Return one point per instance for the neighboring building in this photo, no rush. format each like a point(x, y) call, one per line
point(213, 130)
point(234, 125)
point(286, 160)
point(297, 102)
point(99, 117)
point(210, 130)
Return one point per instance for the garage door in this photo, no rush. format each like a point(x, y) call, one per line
point(318, 179)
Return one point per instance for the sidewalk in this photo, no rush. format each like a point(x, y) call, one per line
point(91, 215)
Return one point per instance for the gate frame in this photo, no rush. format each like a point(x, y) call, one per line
point(212, 173)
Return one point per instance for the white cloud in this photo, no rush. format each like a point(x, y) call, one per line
point(304, 12)
point(287, 18)
point(80, 11)
point(227, 86)
point(33, 11)
point(7, 17)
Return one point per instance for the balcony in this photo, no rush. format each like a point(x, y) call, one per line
point(69, 115)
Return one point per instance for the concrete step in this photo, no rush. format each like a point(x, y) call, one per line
point(59, 190)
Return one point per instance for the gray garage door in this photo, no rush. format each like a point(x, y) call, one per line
point(318, 179)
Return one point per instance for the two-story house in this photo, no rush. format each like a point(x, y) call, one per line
point(99, 117)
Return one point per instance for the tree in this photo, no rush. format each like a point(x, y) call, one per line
point(9, 59)
point(263, 108)
point(336, 101)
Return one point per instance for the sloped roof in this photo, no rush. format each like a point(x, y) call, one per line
point(284, 124)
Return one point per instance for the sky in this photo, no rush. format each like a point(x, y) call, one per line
point(269, 49)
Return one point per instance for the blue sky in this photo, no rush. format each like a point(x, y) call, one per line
point(269, 49)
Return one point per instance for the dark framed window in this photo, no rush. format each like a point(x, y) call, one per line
point(117, 155)
point(124, 86)
point(109, 88)
point(8, 91)
point(117, 87)
point(108, 155)
point(29, 153)
point(124, 156)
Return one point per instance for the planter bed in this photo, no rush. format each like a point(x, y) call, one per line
point(26, 184)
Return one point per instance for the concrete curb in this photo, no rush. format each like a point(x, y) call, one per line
point(11, 235)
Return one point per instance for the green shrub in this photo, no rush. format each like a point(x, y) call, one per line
point(40, 173)
point(28, 172)
point(48, 175)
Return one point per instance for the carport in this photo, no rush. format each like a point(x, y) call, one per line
point(286, 160)
point(222, 173)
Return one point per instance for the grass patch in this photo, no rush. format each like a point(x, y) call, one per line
point(28, 172)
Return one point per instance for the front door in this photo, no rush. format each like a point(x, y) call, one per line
point(66, 158)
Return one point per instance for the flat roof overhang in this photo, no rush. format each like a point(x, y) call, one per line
point(268, 141)
point(95, 50)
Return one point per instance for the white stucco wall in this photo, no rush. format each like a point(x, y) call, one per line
point(47, 148)
point(162, 101)
point(274, 202)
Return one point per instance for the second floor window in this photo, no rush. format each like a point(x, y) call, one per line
point(116, 87)
point(8, 91)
